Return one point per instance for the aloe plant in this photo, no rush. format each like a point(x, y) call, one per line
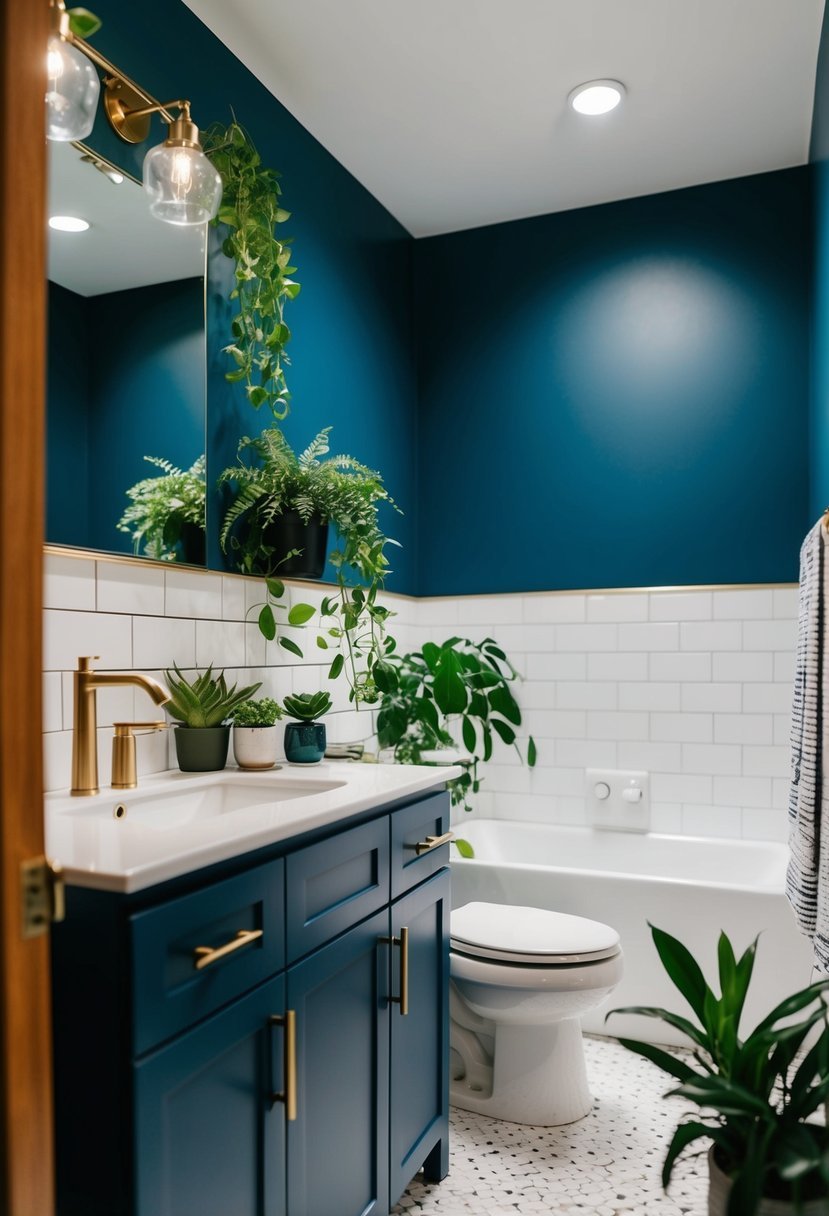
point(307, 706)
point(207, 700)
point(758, 1095)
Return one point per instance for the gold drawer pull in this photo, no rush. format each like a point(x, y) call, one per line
point(433, 842)
point(206, 956)
point(403, 942)
point(288, 1095)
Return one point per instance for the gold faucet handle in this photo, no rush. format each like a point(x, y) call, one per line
point(124, 767)
point(124, 729)
point(85, 661)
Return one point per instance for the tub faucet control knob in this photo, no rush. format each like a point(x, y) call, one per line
point(632, 793)
point(602, 790)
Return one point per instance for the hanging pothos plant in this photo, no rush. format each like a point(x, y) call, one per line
point(250, 212)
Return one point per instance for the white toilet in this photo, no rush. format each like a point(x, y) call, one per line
point(521, 979)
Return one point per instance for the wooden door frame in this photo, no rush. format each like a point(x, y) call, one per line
point(26, 1129)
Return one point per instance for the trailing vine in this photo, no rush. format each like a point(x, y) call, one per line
point(250, 212)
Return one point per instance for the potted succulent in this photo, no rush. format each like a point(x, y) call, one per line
point(759, 1095)
point(255, 735)
point(166, 513)
point(202, 708)
point(305, 738)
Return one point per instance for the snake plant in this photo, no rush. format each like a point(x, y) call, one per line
point(207, 700)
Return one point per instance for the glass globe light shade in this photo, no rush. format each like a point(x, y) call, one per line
point(183, 186)
point(72, 92)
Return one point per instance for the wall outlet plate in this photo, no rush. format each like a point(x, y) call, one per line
point(618, 799)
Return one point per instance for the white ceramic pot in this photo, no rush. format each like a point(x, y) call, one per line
point(255, 746)
point(719, 1187)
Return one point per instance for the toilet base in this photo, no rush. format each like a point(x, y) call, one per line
point(538, 1075)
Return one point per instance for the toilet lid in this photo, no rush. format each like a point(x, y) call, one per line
point(530, 935)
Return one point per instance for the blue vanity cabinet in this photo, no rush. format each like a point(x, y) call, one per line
point(172, 1057)
point(337, 1147)
point(419, 1058)
point(209, 1134)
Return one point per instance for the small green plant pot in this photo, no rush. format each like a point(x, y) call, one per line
point(304, 742)
point(202, 749)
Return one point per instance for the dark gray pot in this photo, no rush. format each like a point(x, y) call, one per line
point(202, 749)
point(304, 742)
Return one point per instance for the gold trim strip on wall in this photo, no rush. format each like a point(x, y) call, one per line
point(118, 559)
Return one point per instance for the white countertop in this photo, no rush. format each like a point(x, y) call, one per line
point(175, 823)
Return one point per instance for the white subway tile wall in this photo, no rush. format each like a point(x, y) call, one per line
point(694, 685)
point(144, 618)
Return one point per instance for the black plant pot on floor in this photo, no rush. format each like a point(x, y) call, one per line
point(201, 749)
point(289, 531)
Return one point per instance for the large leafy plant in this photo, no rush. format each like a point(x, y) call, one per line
point(431, 694)
point(205, 701)
point(160, 506)
point(250, 212)
point(270, 479)
point(758, 1097)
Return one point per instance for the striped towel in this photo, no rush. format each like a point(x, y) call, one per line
point(807, 879)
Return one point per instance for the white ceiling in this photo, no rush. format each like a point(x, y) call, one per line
point(125, 246)
point(453, 112)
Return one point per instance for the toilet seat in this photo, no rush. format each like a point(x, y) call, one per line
point(530, 936)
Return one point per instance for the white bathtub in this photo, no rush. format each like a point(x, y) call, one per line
point(691, 887)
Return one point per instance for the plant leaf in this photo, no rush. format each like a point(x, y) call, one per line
point(290, 645)
point(267, 622)
point(300, 613)
point(464, 847)
point(683, 970)
point(336, 667)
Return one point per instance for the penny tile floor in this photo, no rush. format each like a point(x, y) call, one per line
point(608, 1164)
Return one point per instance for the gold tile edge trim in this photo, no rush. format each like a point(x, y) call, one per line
point(128, 560)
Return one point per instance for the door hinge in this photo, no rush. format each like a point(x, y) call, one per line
point(42, 895)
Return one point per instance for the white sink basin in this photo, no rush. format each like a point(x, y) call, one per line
point(175, 823)
point(173, 809)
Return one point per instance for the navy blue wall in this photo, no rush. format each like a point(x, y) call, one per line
point(68, 392)
point(352, 350)
point(126, 380)
point(820, 361)
point(618, 396)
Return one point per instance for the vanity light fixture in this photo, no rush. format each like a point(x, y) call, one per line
point(103, 166)
point(597, 97)
point(68, 223)
point(183, 186)
point(72, 88)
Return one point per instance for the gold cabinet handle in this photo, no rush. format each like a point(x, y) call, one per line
point(403, 942)
point(288, 1095)
point(206, 956)
point(433, 842)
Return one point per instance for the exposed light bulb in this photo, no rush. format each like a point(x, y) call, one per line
point(597, 97)
point(183, 186)
point(72, 91)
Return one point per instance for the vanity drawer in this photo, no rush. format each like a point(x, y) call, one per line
point(412, 826)
point(196, 953)
point(334, 884)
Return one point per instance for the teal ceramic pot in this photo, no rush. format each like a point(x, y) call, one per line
point(202, 749)
point(304, 742)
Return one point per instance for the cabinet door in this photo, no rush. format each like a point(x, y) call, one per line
point(419, 1132)
point(337, 1147)
point(209, 1140)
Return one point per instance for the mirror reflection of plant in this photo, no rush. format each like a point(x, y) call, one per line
point(269, 480)
point(431, 691)
point(160, 507)
point(250, 212)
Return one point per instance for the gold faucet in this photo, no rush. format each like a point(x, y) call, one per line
point(85, 733)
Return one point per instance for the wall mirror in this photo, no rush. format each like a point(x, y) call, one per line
point(126, 368)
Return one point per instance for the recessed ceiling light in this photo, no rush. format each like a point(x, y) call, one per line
point(597, 96)
point(68, 223)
